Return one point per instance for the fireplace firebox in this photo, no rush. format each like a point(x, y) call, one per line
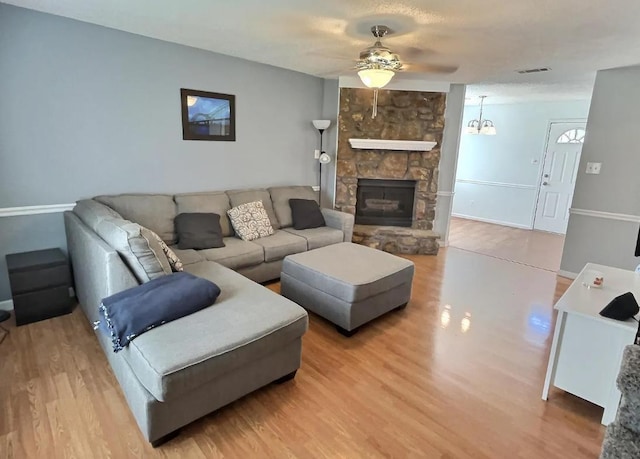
point(385, 202)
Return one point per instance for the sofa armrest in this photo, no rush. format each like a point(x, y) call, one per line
point(339, 220)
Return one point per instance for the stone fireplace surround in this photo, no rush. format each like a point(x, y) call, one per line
point(405, 115)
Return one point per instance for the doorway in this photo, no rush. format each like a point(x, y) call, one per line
point(559, 170)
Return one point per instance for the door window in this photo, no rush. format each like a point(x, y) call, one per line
point(572, 136)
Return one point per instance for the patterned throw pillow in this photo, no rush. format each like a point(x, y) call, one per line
point(174, 261)
point(250, 221)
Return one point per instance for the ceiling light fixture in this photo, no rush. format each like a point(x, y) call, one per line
point(377, 65)
point(480, 126)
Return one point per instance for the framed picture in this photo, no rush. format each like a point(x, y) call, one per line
point(208, 115)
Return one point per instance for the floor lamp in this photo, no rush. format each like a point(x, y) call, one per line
point(324, 158)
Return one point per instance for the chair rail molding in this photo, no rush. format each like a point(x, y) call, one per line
point(500, 184)
point(34, 210)
point(605, 215)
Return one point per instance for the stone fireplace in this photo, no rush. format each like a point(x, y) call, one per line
point(407, 120)
point(385, 202)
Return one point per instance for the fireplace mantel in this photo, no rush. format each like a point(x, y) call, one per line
point(379, 144)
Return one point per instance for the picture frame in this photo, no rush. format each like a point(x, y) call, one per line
point(208, 115)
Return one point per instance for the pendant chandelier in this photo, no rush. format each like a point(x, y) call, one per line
point(481, 126)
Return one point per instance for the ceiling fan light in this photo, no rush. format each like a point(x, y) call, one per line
point(376, 78)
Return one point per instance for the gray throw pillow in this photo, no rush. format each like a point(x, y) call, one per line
point(198, 231)
point(306, 214)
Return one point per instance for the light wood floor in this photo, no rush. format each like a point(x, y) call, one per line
point(534, 248)
point(412, 384)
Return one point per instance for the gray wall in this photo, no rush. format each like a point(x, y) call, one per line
point(86, 110)
point(613, 140)
point(448, 160)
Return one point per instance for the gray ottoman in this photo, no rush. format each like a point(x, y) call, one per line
point(347, 284)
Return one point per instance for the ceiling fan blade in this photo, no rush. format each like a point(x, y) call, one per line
point(337, 57)
point(412, 53)
point(335, 72)
point(428, 68)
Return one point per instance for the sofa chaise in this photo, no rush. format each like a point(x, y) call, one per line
point(251, 337)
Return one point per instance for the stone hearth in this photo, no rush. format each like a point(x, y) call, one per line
point(394, 239)
point(402, 115)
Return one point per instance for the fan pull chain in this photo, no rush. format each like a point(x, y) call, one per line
point(374, 111)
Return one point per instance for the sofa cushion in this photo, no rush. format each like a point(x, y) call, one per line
point(236, 253)
point(216, 202)
point(198, 230)
point(247, 323)
point(188, 256)
point(280, 244)
point(238, 197)
point(250, 221)
point(153, 211)
point(280, 196)
point(91, 212)
point(318, 237)
point(137, 246)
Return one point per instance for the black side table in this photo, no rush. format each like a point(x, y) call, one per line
point(40, 284)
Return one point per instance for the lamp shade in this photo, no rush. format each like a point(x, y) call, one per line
point(321, 124)
point(488, 130)
point(376, 78)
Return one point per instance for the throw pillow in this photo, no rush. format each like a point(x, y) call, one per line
point(250, 221)
point(198, 231)
point(174, 261)
point(306, 214)
point(137, 247)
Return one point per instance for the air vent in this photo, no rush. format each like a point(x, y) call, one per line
point(542, 69)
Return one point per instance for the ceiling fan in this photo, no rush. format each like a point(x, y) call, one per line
point(378, 64)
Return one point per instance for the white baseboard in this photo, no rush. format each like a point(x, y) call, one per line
point(495, 222)
point(567, 274)
point(442, 243)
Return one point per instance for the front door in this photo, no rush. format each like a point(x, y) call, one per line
point(559, 171)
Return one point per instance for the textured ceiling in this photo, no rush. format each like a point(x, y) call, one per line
point(486, 40)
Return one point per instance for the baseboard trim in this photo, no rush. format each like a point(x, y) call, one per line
point(35, 210)
point(442, 243)
point(567, 274)
point(6, 305)
point(606, 215)
point(489, 220)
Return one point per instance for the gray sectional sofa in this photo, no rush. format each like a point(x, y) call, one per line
point(185, 369)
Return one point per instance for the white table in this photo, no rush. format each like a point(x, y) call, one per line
point(587, 348)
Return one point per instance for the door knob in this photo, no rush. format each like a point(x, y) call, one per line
point(546, 175)
point(545, 183)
